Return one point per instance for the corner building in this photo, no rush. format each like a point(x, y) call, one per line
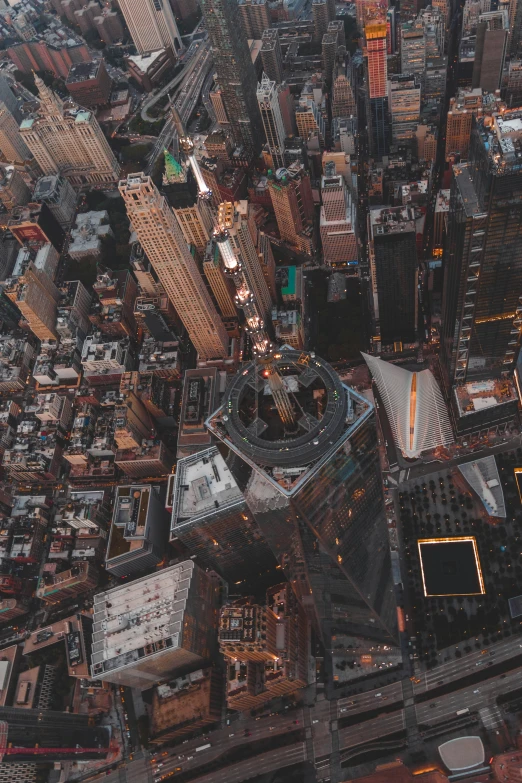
point(316, 494)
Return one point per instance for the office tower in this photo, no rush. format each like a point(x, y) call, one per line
point(444, 8)
point(221, 286)
point(413, 48)
point(152, 25)
point(60, 197)
point(271, 643)
point(319, 501)
point(393, 268)
point(309, 120)
point(195, 224)
point(243, 239)
point(490, 50)
point(404, 101)
point(235, 73)
point(12, 145)
point(162, 240)
point(210, 517)
point(8, 98)
point(343, 101)
point(271, 55)
point(514, 84)
point(321, 18)
point(13, 190)
point(68, 142)
point(293, 204)
point(470, 15)
point(329, 52)
point(268, 99)
point(152, 628)
point(377, 70)
point(483, 256)
point(255, 17)
point(338, 220)
point(36, 297)
point(57, 736)
point(138, 534)
point(462, 108)
point(81, 577)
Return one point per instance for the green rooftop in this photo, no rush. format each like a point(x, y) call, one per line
point(289, 289)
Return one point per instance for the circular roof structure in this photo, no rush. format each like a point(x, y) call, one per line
point(318, 400)
point(462, 753)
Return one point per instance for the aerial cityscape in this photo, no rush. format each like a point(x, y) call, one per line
point(260, 391)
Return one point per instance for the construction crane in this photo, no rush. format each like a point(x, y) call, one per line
point(265, 351)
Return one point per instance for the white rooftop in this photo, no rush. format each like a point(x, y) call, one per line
point(462, 753)
point(203, 483)
point(140, 618)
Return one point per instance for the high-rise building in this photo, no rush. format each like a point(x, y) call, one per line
point(271, 55)
point(36, 297)
point(338, 220)
point(153, 628)
point(343, 101)
point(377, 69)
point(138, 537)
point(212, 520)
point(243, 239)
point(404, 101)
point(108, 26)
point(13, 189)
point(59, 195)
point(81, 577)
point(413, 48)
point(255, 17)
point(12, 145)
point(319, 501)
point(514, 84)
point(271, 116)
point(162, 240)
point(462, 108)
point(321, 18)
point(309, 120)
point(68, 142)
point(221, 286)
point(483, 256)
point(271, 643)
point(393, 268)
point(329, 46)
point(293, 204)
point(235, 73)
point(490, 50)
point(152, 25)
point(8, 98)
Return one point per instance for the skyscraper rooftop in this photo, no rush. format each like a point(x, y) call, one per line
point(324, 408)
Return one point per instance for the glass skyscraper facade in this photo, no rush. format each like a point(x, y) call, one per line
point(483, 256)
point(316, 495)
point(235, 72)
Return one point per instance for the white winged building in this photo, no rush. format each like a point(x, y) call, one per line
point(414, 405)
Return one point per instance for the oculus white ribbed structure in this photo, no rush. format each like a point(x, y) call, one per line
point(414, 405)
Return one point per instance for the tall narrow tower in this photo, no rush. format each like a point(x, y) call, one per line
point(235, 72)
point(151, 24)
point(268, 99)
point(376, 49)
point(316, 493)
point(162, 240)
